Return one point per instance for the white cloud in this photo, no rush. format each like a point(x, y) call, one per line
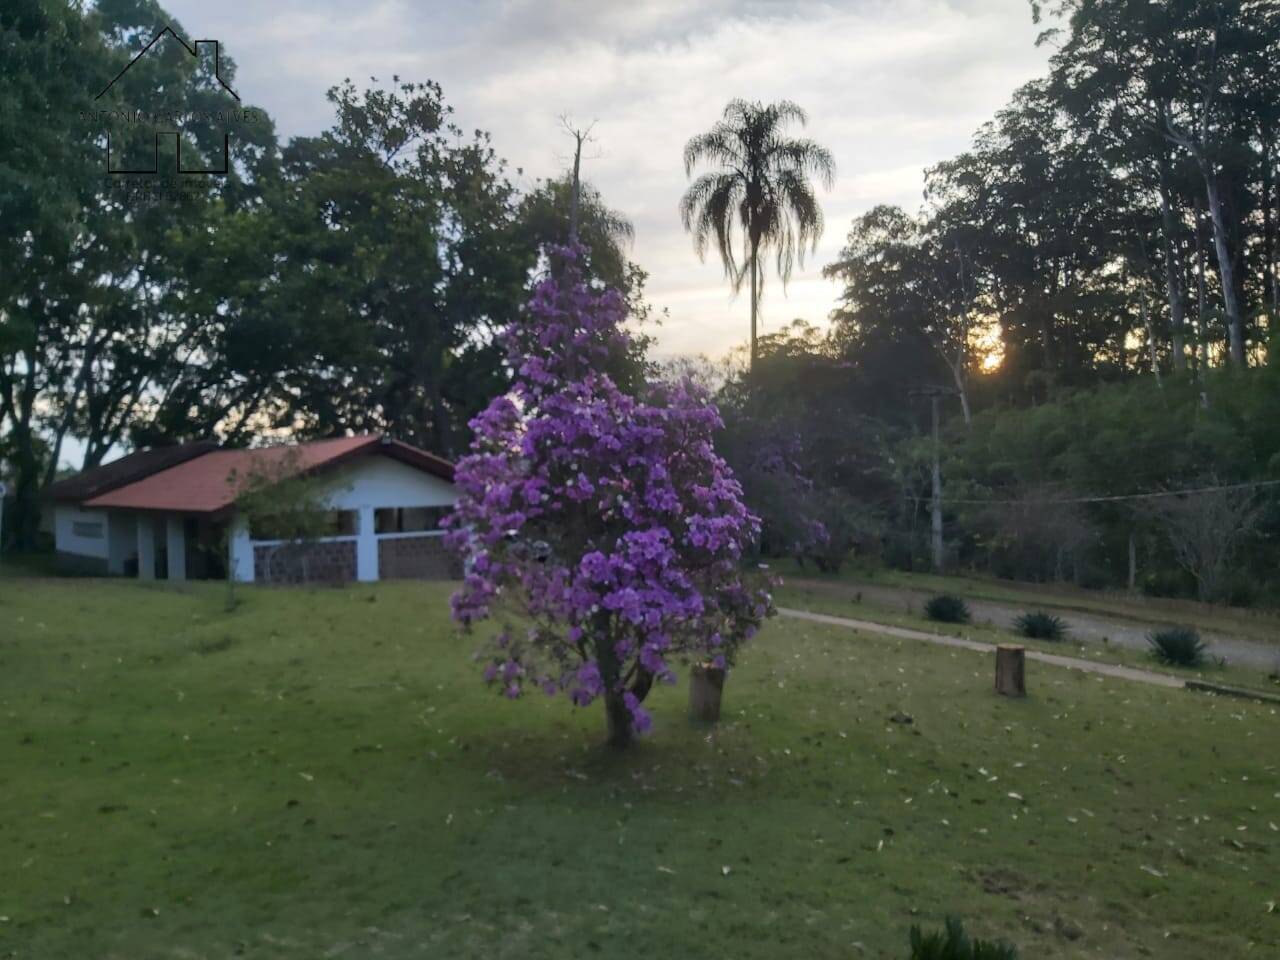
point(891, 86)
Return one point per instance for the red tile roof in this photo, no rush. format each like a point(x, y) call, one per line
point(128, 469)
point(210, 483)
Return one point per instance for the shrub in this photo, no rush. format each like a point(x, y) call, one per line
point(1038, 625)
point(1177, 646)
point(946, 608)
point(952, 943)
point(834, 527)
point(1168, 583)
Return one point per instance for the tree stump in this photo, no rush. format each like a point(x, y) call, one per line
point(706, 684)
point(1011, 670)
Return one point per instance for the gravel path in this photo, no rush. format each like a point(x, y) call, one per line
point(1086, 627)
point(1072, 663)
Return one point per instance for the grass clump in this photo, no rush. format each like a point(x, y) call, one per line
point(206, 647)
point(1038, 625)
point(952, 943)
point(946, 608)
point(1177, 646)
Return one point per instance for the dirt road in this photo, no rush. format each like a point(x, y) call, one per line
point(1083, 627)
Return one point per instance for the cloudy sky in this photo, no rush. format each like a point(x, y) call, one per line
point(891, 86)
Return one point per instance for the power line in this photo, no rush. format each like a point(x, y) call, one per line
point(1143, 445)
point(1255, 484)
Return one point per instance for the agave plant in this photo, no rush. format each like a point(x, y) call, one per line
point(1177, 646)
point(953, 943)
point(1038, 625)
point(946, 608)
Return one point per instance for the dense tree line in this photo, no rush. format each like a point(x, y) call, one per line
point(1094, 281)
point(352, 280)
point(1118, 215)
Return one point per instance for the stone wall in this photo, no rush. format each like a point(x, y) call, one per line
point(328, 561)
point(416, 558)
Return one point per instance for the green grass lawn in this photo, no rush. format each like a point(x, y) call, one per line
point(321, 774)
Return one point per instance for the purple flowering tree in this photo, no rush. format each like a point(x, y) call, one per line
point(600, 530)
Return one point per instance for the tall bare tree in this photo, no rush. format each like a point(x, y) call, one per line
point(1205, 528)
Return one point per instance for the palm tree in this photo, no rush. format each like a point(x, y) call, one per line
point(762, 185)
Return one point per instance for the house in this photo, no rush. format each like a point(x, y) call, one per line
point(170, 512)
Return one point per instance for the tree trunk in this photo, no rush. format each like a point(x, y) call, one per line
point(576, 189)
point(755, 299)
point(1269, 226)
point(1011, 670)
point(1133, 563)
point(26, 494)
point(439, 417)
point(1202, 304)
point(1275, 272)
point(706, 686)
point(1226, 268)
point(962, 387)
point(1046, 342)
point(617, 721)
point(1177, 306)
point(25, 527)
point(1151, 342)
point(935, 506)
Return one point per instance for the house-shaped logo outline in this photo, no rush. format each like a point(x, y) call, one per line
point(192, 48)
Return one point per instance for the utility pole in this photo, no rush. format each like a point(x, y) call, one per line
point(935, 394)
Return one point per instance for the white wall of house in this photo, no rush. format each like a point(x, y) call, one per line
point(382, 482)
point(364, 486)
point(84, 533)
point(118, 536)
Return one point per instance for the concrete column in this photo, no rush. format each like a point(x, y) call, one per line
point(176, 547)
point(366, 547)
point(146, 548)
point(122, 540)
point(240, 562)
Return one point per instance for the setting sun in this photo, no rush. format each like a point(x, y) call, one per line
point(987, 345)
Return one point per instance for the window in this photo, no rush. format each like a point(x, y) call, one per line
point(88, 529)
point(408, 519)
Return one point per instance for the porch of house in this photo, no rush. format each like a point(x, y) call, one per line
point(165, 546)
point(368, 543)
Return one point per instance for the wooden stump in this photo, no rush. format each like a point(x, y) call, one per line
point(1011, 670)
point(706, 684)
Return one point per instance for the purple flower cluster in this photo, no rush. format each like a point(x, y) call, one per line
point(602, 525)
